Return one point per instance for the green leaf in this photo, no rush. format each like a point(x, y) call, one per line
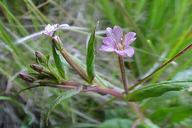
point(116, 123)
point(159, 89)
point(62, 97)
point(156, 103)
point(147, 124)
point(173, 114)
point(50, 66)
point(90, 59)
point(58, 62)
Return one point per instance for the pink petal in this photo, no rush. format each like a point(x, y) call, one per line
point(51, 28)
point(110, 33)
point(129, 38)
point(129, 51)
point(122, 53)
point(118, 33)
point(109, 41)
point(105, 48)
point(48, 27)
point(36, 37)
point(49, 33)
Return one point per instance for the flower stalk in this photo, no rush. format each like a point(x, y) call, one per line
point(123, 74)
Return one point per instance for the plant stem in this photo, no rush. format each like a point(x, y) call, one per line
point(80, 68)
point(72, 65)
point(104, 91)
point(136, 123)
point(72, 83)
point(161, 67)
point(87, 88)
point(122, 67)
point(56, 86)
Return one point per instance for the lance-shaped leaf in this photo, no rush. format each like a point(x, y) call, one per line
point(178, 114)
point(58, 62)
point(50, 66)
point(90, 59)
point(159, 89)
point(62, 97)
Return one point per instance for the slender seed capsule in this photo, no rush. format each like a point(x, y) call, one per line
point(40, 57)
point(36, 67)
point(26, 77)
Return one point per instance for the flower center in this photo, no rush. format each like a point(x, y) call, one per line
point(119, 47)
point(120, 44)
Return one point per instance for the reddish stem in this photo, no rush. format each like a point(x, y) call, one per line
point(87, 88)
point(123, 74)
point(65, 82)
point(73, 66)
point(105, 91)
point(56, 86)
point(136, 123)
point(48, 73)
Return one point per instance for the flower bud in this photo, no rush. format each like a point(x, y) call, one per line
point(57, 43)
point(36, 67)
point(26, 77)
point(41, 58)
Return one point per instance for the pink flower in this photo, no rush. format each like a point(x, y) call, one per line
point(117, 42)
point(50, 29)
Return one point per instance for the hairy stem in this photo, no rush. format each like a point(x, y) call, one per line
point(122, 67)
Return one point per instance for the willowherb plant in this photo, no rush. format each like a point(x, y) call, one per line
point(50, 74)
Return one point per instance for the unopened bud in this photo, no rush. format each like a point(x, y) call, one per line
point(36, 67)
point(57, 43)
point(26, 77)
point(40, 57)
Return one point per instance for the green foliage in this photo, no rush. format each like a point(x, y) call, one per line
point(60, 98)
point(51, 67)
point(58, 62)
point(166, 23)
point(116, 123)
point(91, 56)
point(159, 89)
point(174, 114)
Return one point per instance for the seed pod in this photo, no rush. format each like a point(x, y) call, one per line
point(36, 67)
point(40, 57)
point(26, 77)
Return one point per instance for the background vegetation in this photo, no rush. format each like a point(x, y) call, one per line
point(163, 29)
